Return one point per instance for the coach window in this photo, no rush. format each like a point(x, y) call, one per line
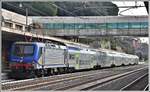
point(144, 25)
point(71, 56)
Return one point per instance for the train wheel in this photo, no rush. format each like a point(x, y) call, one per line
point(113, 65)
point(59, 70)
point(51, 71)
point(42, 72)
point(63, 70)
point(94, 67)
point(45, 72)
point(123, 64)
point(70, 69)
point(99, 66)
point(135, 63)
point(66, 69)
point(38, 73)
point(31, 74)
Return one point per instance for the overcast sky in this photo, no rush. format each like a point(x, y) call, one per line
point(133, 11)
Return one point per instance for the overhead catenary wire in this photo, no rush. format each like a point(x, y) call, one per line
point(62, 9)
point(129, 7)
point(19, 8)
point(36, 10)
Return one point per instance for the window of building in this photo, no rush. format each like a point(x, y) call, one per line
point(8, 24)
point(19, 27)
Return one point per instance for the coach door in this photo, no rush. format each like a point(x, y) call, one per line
point(66, 57)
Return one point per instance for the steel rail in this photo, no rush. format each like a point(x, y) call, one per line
point(146, 88)
point(105, 80)
point(32, 87)
point(81, 82)
point(60, 77)
point(77, 79)
point(133, 82)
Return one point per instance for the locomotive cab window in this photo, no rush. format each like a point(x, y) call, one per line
point(23, 50)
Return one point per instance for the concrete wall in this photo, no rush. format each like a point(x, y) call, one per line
point(14, 17)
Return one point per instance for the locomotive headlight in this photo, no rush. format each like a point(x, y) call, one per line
point(21, 60)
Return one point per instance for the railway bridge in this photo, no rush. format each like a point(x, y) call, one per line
point(93, 25)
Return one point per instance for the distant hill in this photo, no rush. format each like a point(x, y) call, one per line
point(64, 8)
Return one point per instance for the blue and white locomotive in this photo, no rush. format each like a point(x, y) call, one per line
point(30, 59)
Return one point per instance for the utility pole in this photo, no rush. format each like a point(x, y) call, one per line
point(26, 10)
point(27, 19)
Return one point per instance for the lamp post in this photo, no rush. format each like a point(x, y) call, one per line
point(27, 18)
point(26, 10)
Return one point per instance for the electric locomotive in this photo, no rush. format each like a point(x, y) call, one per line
point(27, 59)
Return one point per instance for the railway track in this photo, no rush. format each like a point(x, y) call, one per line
point(7, 80)
point(136, 84)
point(146, 88)
point(125, 82)
point(41, 82)
point(107, 83)
point(56, 82)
